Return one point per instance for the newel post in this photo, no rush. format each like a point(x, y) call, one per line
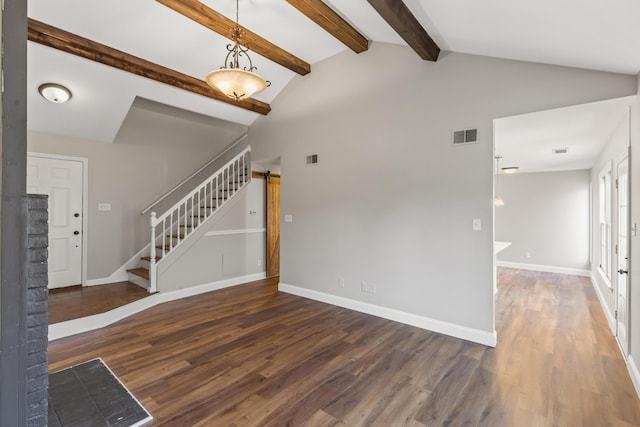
point(152, 255)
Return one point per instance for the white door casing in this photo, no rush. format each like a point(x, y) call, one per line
point(62, 179)
point(622, 292)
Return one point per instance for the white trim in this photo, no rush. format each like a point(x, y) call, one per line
point(238, 231)
point(457, 331)
point(121, 275)
point(97, 321)
point(607, 313)
point(545, 268)
point(634, 373)
point(85, 203)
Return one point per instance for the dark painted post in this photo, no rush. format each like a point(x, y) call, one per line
point(13, 217)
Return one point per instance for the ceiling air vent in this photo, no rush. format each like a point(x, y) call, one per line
point(468, 136)
point(560, 150)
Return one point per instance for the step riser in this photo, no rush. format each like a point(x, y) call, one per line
point(134, 278)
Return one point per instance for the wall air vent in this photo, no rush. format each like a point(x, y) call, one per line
point(312, 159)
point(468, 136)
point(560, 150)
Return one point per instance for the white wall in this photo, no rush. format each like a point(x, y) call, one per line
point(151, 154)
point(392, 201)
point(617, 145)
point(232, 244)
point(546, 215)
point(634, 329)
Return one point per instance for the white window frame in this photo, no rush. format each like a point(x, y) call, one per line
point(605, 252)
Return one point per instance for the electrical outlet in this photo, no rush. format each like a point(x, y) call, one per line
point(104, 206)
point(528, 254)
point(341, 282)
point(368, 287)
point(259, 263)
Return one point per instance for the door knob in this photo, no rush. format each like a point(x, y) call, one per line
point(76, 215)
point(76, 232)
point(621, 271)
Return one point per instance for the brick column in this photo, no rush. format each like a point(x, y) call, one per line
point(37, 311)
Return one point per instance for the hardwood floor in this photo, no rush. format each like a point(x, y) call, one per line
point(250, 356)
point(76, 302)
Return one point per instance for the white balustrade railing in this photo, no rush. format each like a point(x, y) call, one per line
point(169, 230)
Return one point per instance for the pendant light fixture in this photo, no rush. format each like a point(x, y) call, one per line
point(498, 200)
point(232, 79)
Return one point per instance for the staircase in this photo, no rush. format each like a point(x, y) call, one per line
point(175, 226)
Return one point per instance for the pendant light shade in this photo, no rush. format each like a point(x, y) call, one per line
point(236, 84)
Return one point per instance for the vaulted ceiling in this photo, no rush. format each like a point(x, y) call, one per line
point(185, 39)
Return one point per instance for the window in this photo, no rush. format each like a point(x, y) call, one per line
point(604, 218)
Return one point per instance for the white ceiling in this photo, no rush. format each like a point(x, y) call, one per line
point(527, 140)
point(589, 34)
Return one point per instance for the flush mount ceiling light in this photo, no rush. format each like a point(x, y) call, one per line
point(235, 81)
point(55, 93)
point(510, 169)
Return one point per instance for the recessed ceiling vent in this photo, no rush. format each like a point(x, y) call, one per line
point(560, 150)
point(467, 136)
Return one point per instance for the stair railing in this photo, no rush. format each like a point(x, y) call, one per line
point(173, 227)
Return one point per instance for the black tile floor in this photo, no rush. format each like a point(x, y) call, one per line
point(89, 395)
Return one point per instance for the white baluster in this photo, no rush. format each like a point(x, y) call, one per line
point(152, 255)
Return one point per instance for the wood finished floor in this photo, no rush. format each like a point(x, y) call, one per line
point(249, 356)
point(76, 302)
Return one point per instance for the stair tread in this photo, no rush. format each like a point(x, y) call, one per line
point(142, 272)
point(148, 258)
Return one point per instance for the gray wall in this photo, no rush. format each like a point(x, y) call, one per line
point(151, 154)
point(205, 259)
point(617, 145)
point(391, 201)
point(546, 215)
point(635, 218)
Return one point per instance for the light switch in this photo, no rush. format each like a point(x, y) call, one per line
point(477, 225)
point(104, 206)
point(288, 218)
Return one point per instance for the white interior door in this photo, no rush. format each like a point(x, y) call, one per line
point(62, 181)
point(622, 294)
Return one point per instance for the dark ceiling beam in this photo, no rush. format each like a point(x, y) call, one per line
point(398, 15)
point(222, 25)
point(56, 38)
point(331, 22)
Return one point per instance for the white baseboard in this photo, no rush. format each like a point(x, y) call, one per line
point(607, 313)
point(121, 275)
point(634, 373)
point(97, 321)
point(457, 331)
point(545, 268)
